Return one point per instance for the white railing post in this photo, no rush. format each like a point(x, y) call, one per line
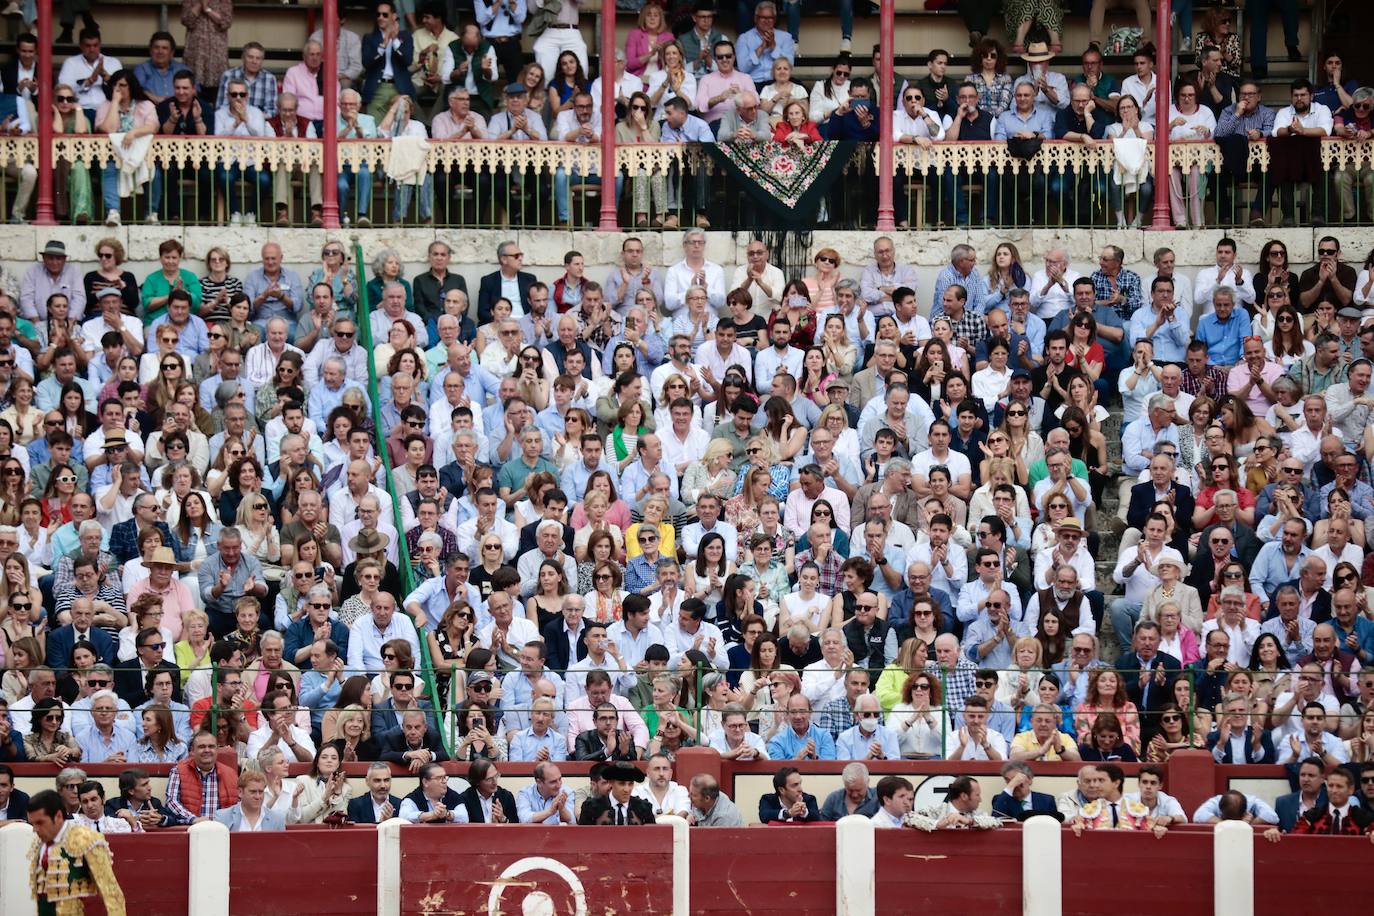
point(389, 867)
point(15, 897)
point(208, 884)
point(855, 883)
point(1042, 867)
point(1233, 869)
point(682, 863)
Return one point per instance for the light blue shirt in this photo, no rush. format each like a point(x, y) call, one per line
point(1133, 400)
point(1039, 121)
point(1270, 569)
point(975, 284)
point(1171, 340)
point(181, 716)
point(853, 743)
point(757, 62)
point(896, 558)
point(636, 477)
point(576, 475)
point(49, 391)
point(289, 282)
point(1294, 649)
point(517, 693)
point(528, 802)
point(497, 20)
point(979, 632)
point(848, 470)
point(315, 697)
point(693, 130)
point(526, 745)
point(1254, 806)
point(95, 749)
point(787, 743)
point(1140, 436)
point(323, 399)
point(1224, 339)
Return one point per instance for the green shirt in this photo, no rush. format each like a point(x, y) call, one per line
point(513, 473)
point(155, 286)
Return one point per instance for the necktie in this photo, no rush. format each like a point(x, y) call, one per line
point(620, 815)
point(1116, 820)
point(1335, 822)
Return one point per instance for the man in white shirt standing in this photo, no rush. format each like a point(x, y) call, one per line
point(695, 270)
point(88, 71)
point(781, 355)
point(240, 119)
point(1303, 118)
point(1229, 273)
point(760, 279)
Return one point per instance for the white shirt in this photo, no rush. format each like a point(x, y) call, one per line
point(769, 362)
point(262, 736)
point(1207, 282)
point(926, 123)
point(679, 279)
point(1058, 298)
point(674, 800)
point(1081, 561)
point(1318, 116)
point(774, 279)
point(820, 685)
point(683, 451)
point(76, 69)
point(975, 751)
point(1138, 89)
point(520, 631)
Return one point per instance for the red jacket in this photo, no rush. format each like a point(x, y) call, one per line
point(190, 792)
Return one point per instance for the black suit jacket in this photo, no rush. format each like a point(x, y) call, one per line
point(360, 809)
point(19, 805)
point(9, 76)
point(528, 542)
point(169, 819)
point(589, 746)
point(129, 681)
point(393, 746)
point(473, 804)
point(770, 809)
point(1143, 501)
point(560, 654)
point(1321, 605)
point(489, 290)
point(62, 640)
point(599, 810)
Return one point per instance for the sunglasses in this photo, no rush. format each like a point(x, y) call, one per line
point(216, 335)
point(827, 259)
point(238, 95)
point(483, 687)
point(159, 646)
point(1328, 252)
point(390, 655)
point(1016, 413)
point(66, 99)
point(402, 686)
point(348, 334)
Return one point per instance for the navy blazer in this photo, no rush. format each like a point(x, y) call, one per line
point(469, 800)
point(1286, 807)
point(489, 290)
point(1266, 754)
point(19, 805)
point(770, 809)
point(1321, 605)
point(1143, 503)
point(374, 64)
point(560, 654)
point(1040, 803)
point(63, 639)
point(384, 717)
point(449, 801)
point(360, 809)
point(393, 746)
point(1129, 666)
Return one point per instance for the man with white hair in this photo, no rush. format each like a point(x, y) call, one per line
point(393, 309)
point(824, 680)
point(260, 362)
point(323, 398)
point(1051, 287)
point(693, 270)
point(549, 546)
point(746, 122)
point(274, 290)
point(341, 343)
point(855, 795)
point(869, 738)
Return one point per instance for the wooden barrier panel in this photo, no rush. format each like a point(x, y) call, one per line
point(153, 869)
point(764, 870)
point(1342, 862)
point(468, 869)
point(319, 871)
point(1130, 872)
point(917, 872)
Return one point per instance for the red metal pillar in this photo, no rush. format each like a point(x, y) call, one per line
point(330, 67)
point(44, 214)
point(887, 26)
point(607, 222)
point(1163, 66)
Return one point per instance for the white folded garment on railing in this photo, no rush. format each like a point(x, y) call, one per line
point(134, 166)
point(406, 160)
point(1131, 167)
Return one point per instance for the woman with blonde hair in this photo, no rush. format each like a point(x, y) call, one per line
point(596, 505)
point(673, 79)
point(912, 656)
point(1017, 686)
point(709, 474)
point(839, 351)
point(761, 453)
point(742, 510)
point(72, 195)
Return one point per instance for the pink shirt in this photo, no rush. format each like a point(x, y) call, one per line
point(176, 601)
point(637, 45)
point(301, 83)
point(713, 84)
point(579, 719)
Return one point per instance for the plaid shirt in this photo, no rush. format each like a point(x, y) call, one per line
point(835, 717)
point(1193, 385)
point(971, 327)
point(1128, 282)
point(262, 92)
point(830, 570)
point(209, 796)
point(958, 684)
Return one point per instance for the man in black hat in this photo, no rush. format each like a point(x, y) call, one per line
point(620, 807)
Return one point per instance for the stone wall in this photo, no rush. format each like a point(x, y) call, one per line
point(475, 249)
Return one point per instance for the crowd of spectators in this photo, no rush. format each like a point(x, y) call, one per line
point(814, 518)
point(412, 76)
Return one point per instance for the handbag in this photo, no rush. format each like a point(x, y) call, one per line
point(1024, 147)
